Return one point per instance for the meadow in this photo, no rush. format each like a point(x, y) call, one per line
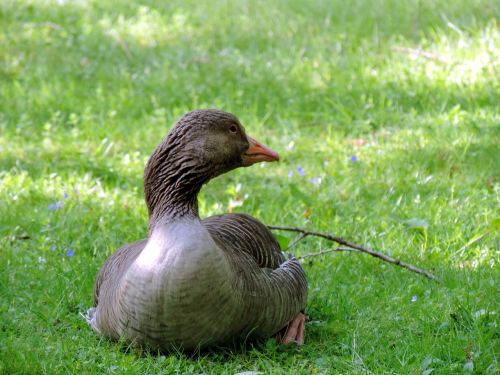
point(386, 116)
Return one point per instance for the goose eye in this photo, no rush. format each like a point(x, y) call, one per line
point(233, 129)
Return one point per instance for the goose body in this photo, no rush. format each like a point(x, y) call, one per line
point(195, 283)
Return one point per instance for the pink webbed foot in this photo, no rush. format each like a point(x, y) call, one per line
point(294, 332)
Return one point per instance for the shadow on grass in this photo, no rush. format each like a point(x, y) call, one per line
point(71, 165)
point(180, 76)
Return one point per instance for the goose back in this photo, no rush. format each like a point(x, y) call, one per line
point(241, 233)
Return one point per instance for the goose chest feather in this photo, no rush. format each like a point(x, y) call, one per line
point(194, 283)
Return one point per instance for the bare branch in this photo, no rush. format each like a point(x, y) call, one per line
point(340, 248)
point(300, 237)
point(124, 47)
point(363, 249)
point(421, 53)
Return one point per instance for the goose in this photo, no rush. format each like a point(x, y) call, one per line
point(196, 283)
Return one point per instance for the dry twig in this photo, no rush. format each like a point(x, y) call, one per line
point(421, 53)
point(124, 47)
point(339, 248)
point(386, 258)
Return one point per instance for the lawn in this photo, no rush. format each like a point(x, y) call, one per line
point(386, 116)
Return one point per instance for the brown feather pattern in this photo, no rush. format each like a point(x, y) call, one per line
point(195, 283)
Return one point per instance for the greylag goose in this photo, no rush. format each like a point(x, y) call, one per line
point(195, 283)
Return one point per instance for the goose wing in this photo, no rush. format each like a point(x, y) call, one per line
point(240, 233)
point(273, 288)
point(115, 266)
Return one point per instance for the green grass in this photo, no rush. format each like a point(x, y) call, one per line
point(87, 89)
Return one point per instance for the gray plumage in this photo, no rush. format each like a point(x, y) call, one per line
point(194, 283)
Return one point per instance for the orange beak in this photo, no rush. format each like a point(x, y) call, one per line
point(258, 152)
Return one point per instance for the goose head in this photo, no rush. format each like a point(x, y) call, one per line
point(202, 144)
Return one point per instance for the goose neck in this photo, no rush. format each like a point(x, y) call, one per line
point(171, 190)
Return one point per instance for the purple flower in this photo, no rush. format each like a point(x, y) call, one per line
point(65, 195)
point(414, 299)
point(316, 181)
point(70, 253)
point(354, 158)
point(55, 206)
point(290, 174)
point(301, 171)
point(54, 247)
